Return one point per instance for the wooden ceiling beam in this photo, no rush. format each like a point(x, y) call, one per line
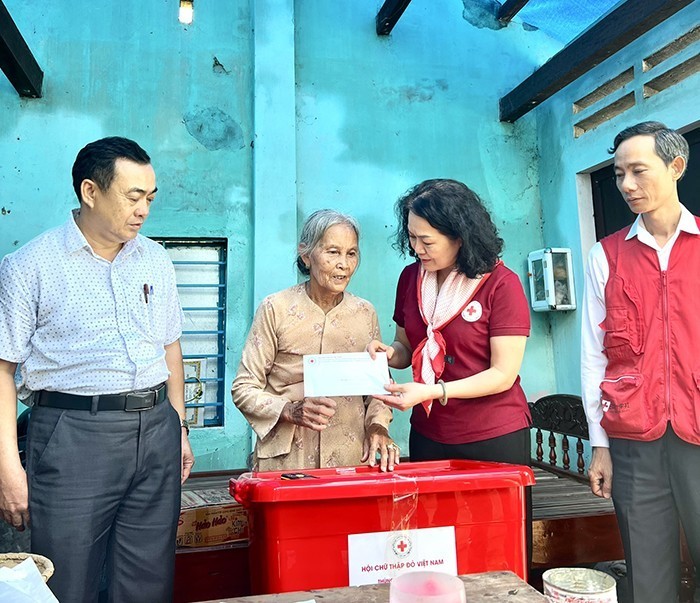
point(509, 9)
point(389, 14)
point(623, 25)
point(16, 60)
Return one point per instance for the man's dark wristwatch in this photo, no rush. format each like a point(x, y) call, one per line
point(185, 425)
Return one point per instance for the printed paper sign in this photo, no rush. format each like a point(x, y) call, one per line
point(380, 556)
point(350, 374)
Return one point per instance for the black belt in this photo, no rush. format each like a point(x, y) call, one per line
point(141, 399)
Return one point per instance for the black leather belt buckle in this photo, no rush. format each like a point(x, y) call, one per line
point(136, 401)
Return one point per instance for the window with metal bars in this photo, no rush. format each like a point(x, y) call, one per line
point(200, 271)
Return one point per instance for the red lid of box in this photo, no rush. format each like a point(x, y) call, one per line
point(363, 481)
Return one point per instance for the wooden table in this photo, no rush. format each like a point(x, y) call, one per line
point(491, 587)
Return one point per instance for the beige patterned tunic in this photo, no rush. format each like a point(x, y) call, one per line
point(286, 326)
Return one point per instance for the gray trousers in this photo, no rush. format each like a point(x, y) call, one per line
point(656, 484)
point(105, 489)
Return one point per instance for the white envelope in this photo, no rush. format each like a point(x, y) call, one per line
point(349, 374)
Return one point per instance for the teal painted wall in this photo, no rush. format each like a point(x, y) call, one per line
point(263, 111)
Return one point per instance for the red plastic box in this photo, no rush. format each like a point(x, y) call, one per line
point(299, 527)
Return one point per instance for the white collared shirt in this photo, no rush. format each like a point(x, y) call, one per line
point(79, 324)
point(593, 361)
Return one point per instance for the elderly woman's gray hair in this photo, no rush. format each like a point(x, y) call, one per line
point(315, 227)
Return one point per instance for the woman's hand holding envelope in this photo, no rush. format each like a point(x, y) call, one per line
point(398, 354)
point(403, 396)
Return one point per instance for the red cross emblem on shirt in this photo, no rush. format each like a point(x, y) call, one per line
point(472, 312)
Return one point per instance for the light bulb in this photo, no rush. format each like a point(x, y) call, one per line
point(186, 12)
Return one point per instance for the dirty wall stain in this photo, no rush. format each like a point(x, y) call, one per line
point(214, 129)
point(420, 92)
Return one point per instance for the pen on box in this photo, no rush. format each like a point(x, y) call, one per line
point(145, 292)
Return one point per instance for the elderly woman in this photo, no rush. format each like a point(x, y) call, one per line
point(317, 316)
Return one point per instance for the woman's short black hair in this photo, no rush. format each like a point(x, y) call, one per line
point(456, 211)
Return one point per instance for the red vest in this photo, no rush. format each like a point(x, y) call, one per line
point(652, 339)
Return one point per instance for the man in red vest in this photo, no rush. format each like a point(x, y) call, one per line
point(640, 368)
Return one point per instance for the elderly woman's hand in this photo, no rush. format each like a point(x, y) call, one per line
point(314, 413)
point(377, 439)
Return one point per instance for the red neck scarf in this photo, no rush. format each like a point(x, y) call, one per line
point(438, 308)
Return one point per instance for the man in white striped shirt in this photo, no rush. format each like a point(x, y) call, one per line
point(89, 312)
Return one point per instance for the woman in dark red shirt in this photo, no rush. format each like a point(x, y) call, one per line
point(461, 323)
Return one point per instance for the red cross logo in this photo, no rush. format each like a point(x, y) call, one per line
point(402, 545)
point(472, 312)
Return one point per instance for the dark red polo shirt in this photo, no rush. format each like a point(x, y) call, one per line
point(498, 308)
